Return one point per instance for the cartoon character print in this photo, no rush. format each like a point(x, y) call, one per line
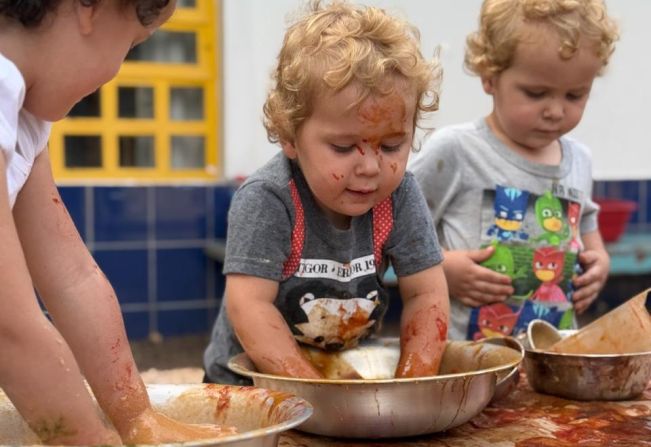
point(538, 249)
point(332, 319)
point(334, 323)
point(495, 320)
point(549, 215)
point(548, 263)
point(502, 261)
point(531, 310)
point(510, 206)
point(573, 215)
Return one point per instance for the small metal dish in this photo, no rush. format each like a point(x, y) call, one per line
point(380, 406)
point(587, 376)
point(259, 415)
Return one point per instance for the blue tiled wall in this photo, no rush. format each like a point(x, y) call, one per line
point(150, 241)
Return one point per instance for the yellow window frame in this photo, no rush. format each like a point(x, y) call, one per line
point(205, 74)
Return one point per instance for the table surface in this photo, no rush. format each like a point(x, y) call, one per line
point(526, 419)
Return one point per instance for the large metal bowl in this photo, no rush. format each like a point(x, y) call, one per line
point(259, 415)
point(380, 406)
point(587, 376)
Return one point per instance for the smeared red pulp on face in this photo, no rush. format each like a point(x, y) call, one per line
point(384, 118)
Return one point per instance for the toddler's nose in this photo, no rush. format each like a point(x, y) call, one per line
point(369, 161)
point(554, 111)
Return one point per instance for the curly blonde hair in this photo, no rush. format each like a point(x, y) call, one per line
point(490, 49)
point(334, 45)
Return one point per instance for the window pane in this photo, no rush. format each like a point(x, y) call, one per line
point(167, 46)
point(137, 152)
point(186, 103)
point(88, 106)
point(135, 102)
point(187, 152)
point(83, 151)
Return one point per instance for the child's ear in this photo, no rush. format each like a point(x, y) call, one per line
point(289, 149)
point(86, 15)
point(488, 83)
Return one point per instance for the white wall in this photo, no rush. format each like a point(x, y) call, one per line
point(613, 126)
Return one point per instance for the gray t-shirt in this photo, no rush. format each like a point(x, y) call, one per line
point(480, 192)
point(335, 296)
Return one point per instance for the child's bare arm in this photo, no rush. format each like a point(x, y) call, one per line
point(39, 373)
point(471, 283)
point(423, 323)
point(262, 330)
point(85, 309)
point(596, 265)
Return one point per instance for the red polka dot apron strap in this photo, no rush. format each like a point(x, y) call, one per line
point(298, 234)
point(382, 226)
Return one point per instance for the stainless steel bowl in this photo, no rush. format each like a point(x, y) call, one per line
point(380, 406)
point(259, 415)
point(587, 376)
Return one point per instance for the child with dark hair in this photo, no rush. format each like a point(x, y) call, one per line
point(52, 54)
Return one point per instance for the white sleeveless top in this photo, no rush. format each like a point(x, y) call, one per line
point(22, 135)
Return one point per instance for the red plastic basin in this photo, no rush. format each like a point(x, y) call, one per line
point(613, 217)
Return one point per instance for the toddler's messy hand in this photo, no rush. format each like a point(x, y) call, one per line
point(471, 283)
point(152, 427)
point(596, 265)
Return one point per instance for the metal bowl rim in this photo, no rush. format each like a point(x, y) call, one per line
point(529, 353)
point(305, 414)
point(235, 367)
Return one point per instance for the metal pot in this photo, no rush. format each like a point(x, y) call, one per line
point(382, 406)
point(587, 376)
point(259, 415)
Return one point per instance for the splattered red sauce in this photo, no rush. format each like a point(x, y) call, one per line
point(378, 111)
point(114, 349)
point(222, 394)
point(224, 399)
point(528, 419)
point(414, 366)
point(278, 398)
point(577, 423)
point(443, 329)
point(352, 325)
point(426, 348)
